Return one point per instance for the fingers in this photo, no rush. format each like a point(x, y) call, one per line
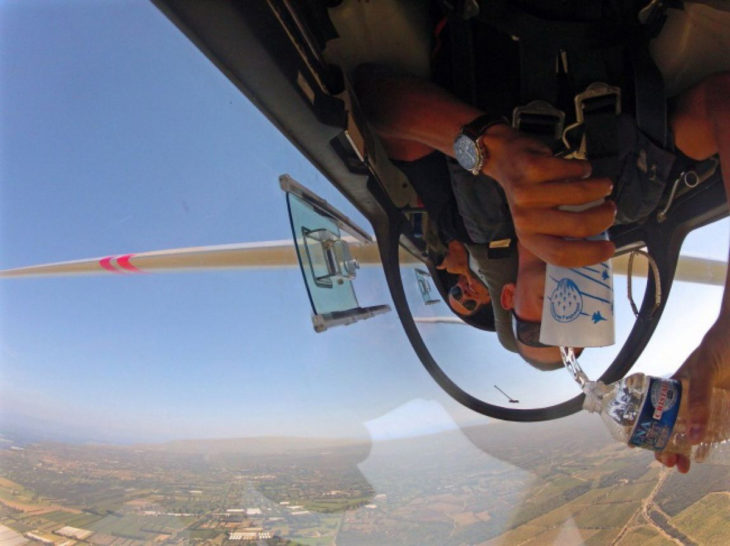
point(700, 395)
point(539, 168)
point(563, 223)
point(564, 192)
point(667, 459)
point(577, 253)
point(670, 460)
point(683, 464)
point(698, 375)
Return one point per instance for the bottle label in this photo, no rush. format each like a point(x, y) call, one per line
point(658, 414)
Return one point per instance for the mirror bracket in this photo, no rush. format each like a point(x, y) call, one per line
point(344, 318)
point(325, 260)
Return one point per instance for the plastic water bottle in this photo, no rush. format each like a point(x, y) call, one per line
point(651, 412)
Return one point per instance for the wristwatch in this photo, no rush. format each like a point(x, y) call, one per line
point(468, 150)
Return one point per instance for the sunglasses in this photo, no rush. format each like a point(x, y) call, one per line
point(527, 333)
point(457, 293)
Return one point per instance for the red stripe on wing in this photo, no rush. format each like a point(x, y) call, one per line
point(106, 263)
point(124, 263)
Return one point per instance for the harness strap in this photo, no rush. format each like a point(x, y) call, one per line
point(651, 103)
point(558, 34)
point(537, 72)
point(595, 49)
point(601, 141)
point(463, 66)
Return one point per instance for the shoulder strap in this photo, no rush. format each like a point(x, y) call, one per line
point(649, 95)
point(596, 49)
point(463, 66)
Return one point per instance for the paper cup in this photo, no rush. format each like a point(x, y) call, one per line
point(578, 306)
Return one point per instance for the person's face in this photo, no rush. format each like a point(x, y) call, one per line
point(468, 295)
point(529, 292)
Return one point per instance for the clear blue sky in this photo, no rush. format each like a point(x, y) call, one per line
point(117, 136)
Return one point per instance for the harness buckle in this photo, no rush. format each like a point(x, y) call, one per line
point(598, 98)
point(539, 118)
point(651, 12)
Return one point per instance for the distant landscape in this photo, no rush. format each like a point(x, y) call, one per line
point(485, 485)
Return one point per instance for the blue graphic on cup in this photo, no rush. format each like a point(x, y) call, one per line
point(566, 301)
point(598, 317)
point(578, 306)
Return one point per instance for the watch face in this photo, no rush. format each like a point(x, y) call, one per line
point(466, 152)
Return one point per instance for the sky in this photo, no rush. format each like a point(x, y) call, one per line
point(118, 136)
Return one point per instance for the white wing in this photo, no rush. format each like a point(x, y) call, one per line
point(281, 254)
point(255, 255)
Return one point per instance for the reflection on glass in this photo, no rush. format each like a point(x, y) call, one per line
point(476, 361)
point(329, 290)
point(693, 303)
point(425, 287)
point(94, 367)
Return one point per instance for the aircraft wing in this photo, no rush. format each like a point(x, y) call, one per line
point(689, 269)
point(439, 320)
point(254, 255)
point(281, 254)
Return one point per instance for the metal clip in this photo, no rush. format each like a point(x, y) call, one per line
point(647, 13)
point(598, 97)
point(654, 268)
point(690, 179)
point(539, 118)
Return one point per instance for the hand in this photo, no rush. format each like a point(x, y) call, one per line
point(536, 184)
point(456, 260)
point(707, 368)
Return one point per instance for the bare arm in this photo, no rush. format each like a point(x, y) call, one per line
point(701, 124)
point(414, 117)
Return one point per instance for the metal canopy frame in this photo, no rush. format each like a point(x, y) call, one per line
point(698, 208)
point(266, 54)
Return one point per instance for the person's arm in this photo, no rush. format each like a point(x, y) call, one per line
point(408, 111)
point(414, 117)
point(701, 125)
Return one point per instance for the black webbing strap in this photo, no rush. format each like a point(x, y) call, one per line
point(538, 78)
point(651, 102)
point(463, 67)
point(560, 34)
point(588, 66)
point(595, 52)
point(601, 139)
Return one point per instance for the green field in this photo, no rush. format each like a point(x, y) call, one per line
point(328, 506)
point(321, 541)
point(646, 536)
point(630, 491)
point(140, 527)
point(606, 515)
point(602, 538)
point(204, 534)
point(82, 521)
point(706, 521)
point(14, 492)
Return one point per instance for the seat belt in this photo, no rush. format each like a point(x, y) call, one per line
point(463, 66)
point(589, 47)
point(598, 108)
point(651, 102)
